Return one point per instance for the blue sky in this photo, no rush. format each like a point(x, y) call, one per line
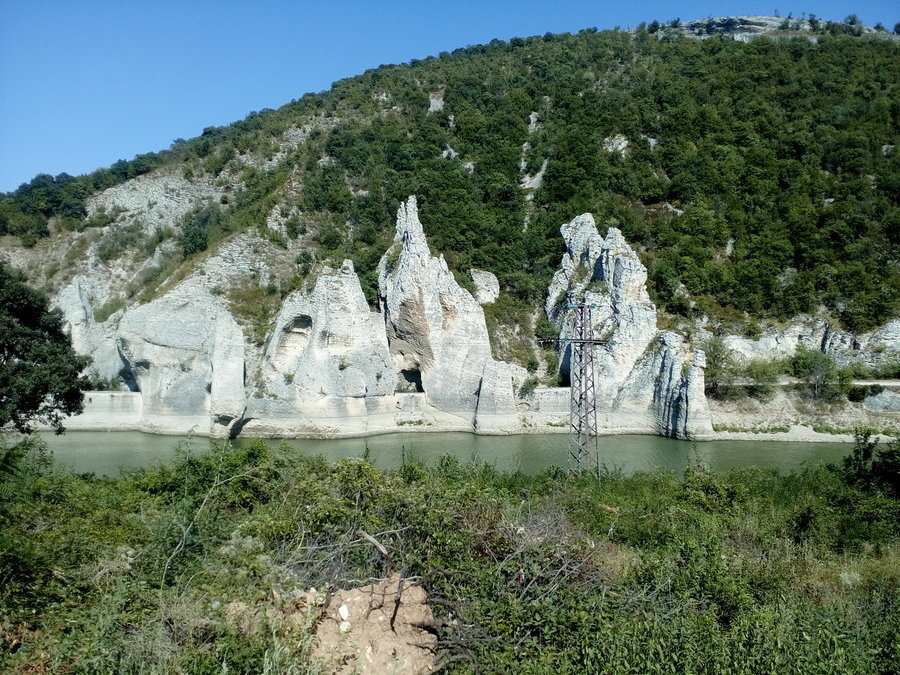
point(85, 83)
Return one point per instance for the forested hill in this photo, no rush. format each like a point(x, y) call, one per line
point(758, 176)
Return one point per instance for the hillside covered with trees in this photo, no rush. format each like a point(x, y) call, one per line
point(758, 177)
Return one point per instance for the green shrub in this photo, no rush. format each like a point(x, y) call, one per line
point(108, 308)
point(764, 378)
point(649, 572)
point(528, 387)
point(255, 306)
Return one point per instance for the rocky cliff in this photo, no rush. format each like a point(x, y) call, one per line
point(437, 332)
point(871, 349)
point(645, 378)
point(332, 367)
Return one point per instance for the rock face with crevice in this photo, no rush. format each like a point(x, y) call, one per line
point(328, 343)
point(185, 354)
point(645, 379)
point(77, 301)
point(437, 332)
point(333, 367)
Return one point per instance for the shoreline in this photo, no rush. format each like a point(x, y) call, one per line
point(782, 419)
point(797, 433)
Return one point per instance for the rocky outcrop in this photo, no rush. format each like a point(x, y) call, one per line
point(77, 301)
point(872, 349)
point(329, 343)
point(185, 354)
point(437, 333)
point(884, 401)
point(644, 378)
point(158, 198)
point(326, 369)
point(333, 367)
point(487, 288)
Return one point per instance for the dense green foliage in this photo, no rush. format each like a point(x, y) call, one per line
point(779, 154)
point(196, 567)
point(26, 211)
point(775, 146)
point(39, 370)
point(873, 467)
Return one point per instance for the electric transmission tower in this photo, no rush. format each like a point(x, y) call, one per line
point(583, 453)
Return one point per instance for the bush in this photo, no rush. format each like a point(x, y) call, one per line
point(824, 380)
point(108, 308)
point(721, 368)
point(528, 387)
point(764, 378)
point(255, 306)
point(871, 466)
point(206, 561)
point(197, 228)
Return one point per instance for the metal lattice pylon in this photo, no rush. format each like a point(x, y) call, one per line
point(583, 403)
point(583, 453)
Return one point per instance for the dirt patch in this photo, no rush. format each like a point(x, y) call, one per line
point(378, 629)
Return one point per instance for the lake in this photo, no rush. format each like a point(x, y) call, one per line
point(110, 452)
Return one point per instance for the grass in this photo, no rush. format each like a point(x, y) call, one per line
point(108, 308)
point(255, 307)
point(753, 430)
point(206, 565)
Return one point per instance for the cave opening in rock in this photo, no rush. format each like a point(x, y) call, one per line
point(301, 322)
point(414, 377)
point(127, 376)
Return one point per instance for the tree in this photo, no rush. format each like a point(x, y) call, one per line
point(720, 366)
point(196, 227)
point(873, 467)
point(40, 378)
point(763, 377)
point(824, 378)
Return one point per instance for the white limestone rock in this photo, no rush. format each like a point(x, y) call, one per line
point(639, 372)
point(328, 343)
point(97, 340)
point(884, 401)
point(186, 356)
point(437, 332)
point(872, 349)
point(160, 199)
point(616, 144)
point(530, 182)
point(774, 344)
point(436, 101)
point(487, 288)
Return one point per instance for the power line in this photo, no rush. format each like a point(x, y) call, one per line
point(583, 452)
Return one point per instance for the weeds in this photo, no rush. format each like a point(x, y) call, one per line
point(210, 564)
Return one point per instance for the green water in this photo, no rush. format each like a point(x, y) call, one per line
point(110, 452)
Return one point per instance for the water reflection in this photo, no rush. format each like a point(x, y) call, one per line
point(110, 452)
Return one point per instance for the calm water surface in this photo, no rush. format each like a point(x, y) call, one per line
point(111, 452)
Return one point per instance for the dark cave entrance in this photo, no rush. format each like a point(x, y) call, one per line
point(414, 377)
